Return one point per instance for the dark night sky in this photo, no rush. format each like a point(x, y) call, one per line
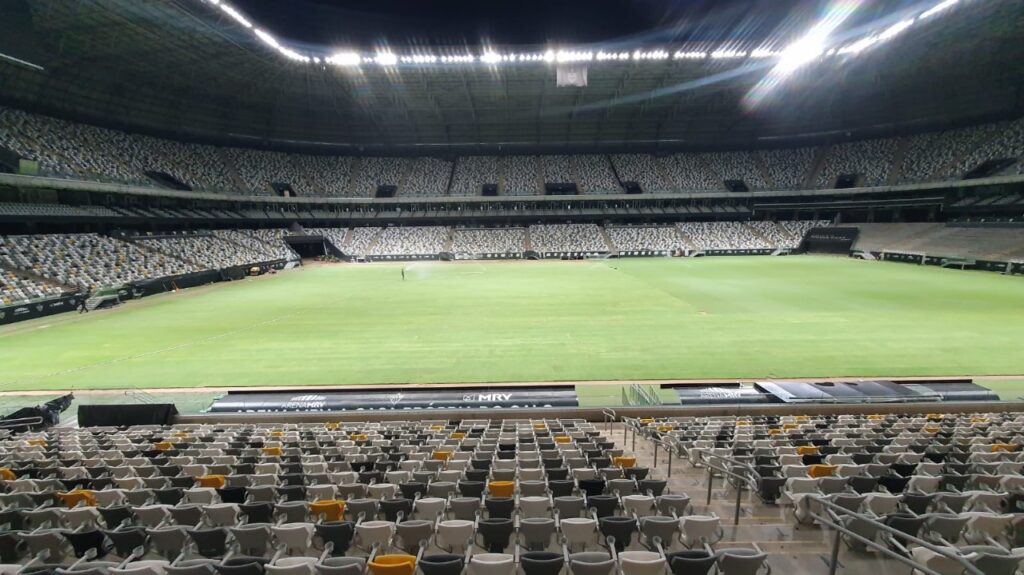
point(507, 22)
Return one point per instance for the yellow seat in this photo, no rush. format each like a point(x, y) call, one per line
point(647, 420)
point(181, 434)
point(665, 428)
point(359, 437)
point(37, 442)
point(979, 419)
point(393, 565)
point(441, 455)
point(821, 470)
point(276, 434)
point(1003, 447)
point(806, 450)
point(802, 418)
point(931, 429)
point(331, 425)
point(76, 496)
point(934, 417)
point(331, 509)
point(458, 435)
point(436, 427)
point(540, 426)
point(875, 417)
point(214, 481)
point(624, 461)
point(501, 488)
point(563, 439)
point(272, 451)
point(163, 446)
point(6, 474)
point(742, 423)
point(788, 426)
point(774, 431)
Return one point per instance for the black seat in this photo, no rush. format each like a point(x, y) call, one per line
point(392, 507)
point(605, 505)
point(410, 489)
point(83, 541)
point(257, 512)
point(339, 533)
point(499, 507)
point(541, 563)
point(495, 532)
point(690, 562)
point(444, 564)
point(127, 539)
point(592, 486)
point(619, 527)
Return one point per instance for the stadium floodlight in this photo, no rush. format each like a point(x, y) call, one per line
point(762, 53)
point(896, 29)
point(490, 57)
point(235, 15)
point(386, 58)
point(345, 59)
point(267, 38)
point(549, 56)
point(566, 56)
point(691, 55)
point(938, 8)
point(726, 54)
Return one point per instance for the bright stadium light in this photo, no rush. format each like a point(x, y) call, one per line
point(345, 59)
point(814, 45)
point(941, 6)
point(267, 38)
point(386, 59)
point(895, 29)
point(236, 15)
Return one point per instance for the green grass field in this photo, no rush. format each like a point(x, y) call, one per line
point(726, 317)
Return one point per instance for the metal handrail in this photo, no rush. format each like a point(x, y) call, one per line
point(20, 422)
point(609, 417)
point(836, 510)
point(743, 479)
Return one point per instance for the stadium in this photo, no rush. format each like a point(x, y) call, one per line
point(545, 288)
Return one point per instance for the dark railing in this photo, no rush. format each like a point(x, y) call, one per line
point(834, 521)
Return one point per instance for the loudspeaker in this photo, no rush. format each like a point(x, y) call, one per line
point(283, 189)
point(845, 181)
point(560, 189)
point(489, 190)
point(737, 186)
point(386, 191)
point(632, 188)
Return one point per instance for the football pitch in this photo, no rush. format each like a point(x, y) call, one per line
point(636, 319)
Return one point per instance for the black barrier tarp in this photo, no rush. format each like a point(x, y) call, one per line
point(16, 313)
point(316, 400)
point(126, 414)
point(829, 240)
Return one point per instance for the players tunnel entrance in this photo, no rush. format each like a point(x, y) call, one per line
point(310, 246)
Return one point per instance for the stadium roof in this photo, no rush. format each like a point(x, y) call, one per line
point(184, 68)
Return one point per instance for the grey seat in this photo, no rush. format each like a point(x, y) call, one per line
point(591, 563)
point(741, 561)
point(665, 528)
point(536, 532)
point(252, 538)
point(411, 533)
point(569, 506)
point(464, 507)
point(341, 566)
point(192, 567)
point(168, 541)
point(667, 504)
